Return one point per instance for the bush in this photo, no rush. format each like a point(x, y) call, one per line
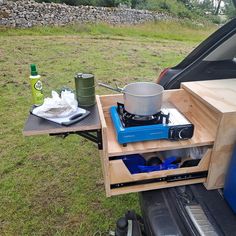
point(173, 7)
point(230, 9)
point(215, 19)
point(184, 14)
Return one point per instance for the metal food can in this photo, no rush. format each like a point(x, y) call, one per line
point(85, 89)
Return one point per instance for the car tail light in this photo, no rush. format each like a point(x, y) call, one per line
point(162, 74)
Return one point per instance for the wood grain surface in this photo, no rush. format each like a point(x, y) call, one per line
point(120, 173)
point(218, 94)
point(146, 187)
point(222, 151)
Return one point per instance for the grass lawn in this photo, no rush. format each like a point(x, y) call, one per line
point(54, 186)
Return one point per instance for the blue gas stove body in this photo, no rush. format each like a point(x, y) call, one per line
point(178, 128)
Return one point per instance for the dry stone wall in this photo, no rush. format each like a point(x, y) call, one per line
point(27, 13)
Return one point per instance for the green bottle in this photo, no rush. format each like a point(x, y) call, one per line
point(36, 86)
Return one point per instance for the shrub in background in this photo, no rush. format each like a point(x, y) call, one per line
point(173, 7)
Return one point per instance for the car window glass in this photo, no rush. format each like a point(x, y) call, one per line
point(226, 51)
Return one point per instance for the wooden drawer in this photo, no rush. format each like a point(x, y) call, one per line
point(122, 181)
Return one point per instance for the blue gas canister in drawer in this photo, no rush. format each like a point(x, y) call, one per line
point(230, 182)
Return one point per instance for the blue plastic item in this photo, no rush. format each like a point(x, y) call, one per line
point(143, 169)
point(166, 165)
point(230, 183)
point(137, 164)
point(133, 161)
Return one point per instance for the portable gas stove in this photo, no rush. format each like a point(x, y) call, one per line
point(169, 123)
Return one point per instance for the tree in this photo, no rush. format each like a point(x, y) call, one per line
point(229, 9)
point(218, 7)
point(234, 3)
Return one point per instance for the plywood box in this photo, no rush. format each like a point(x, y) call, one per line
point(209, 105)
point(220, 96)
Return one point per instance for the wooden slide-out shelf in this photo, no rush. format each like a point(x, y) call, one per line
point(115, 172)
point(120, 175)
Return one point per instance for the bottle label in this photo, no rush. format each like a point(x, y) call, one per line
point(37, 91)
point(38, 85)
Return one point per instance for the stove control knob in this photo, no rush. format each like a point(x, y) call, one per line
point(184, 132)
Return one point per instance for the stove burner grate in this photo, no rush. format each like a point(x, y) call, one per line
point(129, 120)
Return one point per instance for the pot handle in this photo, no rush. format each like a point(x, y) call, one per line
point(117, 89)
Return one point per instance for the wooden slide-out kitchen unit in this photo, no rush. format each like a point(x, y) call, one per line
point(209, 105)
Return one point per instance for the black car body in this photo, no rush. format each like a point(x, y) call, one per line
point(187, 211)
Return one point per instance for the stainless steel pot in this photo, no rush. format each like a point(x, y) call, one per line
point(141, 98)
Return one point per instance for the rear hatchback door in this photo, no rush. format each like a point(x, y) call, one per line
point(214, 58)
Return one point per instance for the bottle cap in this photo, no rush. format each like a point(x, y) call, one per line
point(33, 69)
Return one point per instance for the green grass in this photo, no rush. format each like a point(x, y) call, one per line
point(53, 186)
point(170, 30)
